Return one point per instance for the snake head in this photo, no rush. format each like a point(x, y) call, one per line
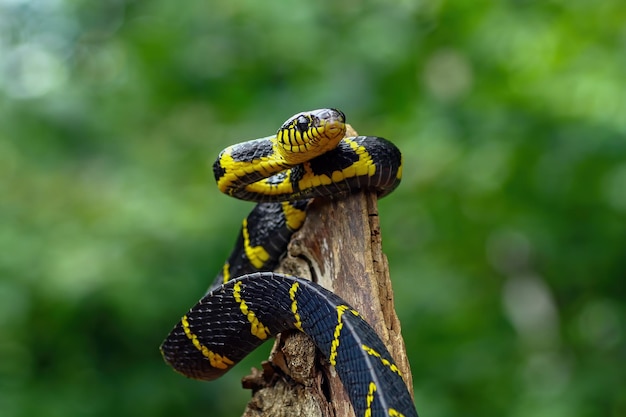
point(312, 133)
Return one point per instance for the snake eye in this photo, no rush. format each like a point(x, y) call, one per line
point(302, 124)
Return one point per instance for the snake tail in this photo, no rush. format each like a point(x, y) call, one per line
point(235, 318)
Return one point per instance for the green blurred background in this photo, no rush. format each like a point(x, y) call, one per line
point(506, 239)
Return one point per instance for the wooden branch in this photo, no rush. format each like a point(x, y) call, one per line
point(339, 247)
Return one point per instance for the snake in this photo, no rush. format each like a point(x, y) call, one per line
point(308, 157)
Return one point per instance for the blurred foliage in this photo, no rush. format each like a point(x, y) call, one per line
point(507, 238)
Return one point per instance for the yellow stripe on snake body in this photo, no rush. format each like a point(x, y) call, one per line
point(280, 302)
point(301, 138)
point(308, 157)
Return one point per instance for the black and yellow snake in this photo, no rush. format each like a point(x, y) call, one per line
point(308, 157)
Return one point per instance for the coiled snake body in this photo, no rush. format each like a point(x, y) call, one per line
point(308, 157)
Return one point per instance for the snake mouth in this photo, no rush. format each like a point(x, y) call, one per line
point(334, 129)
point(333, 121)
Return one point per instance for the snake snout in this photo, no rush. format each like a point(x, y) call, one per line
point(330, 115)
point(335, 123)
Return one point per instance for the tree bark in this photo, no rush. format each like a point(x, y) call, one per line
point(339, 247)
